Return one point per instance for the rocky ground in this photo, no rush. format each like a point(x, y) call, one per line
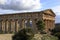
point(44, 37)
point(36, 37)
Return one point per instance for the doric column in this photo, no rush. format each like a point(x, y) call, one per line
point(3, 26)
point(34, 26)
point(48, 23)
point(53, 24)
point(0, 25)
point(13, 25)
point(23, 23)
point(17, 25)
point(46, 26)
point(7, 25)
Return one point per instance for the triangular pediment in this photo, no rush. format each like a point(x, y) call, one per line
point(49, 11)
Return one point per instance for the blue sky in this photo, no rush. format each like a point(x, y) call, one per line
point(11, 6)
point(54, 5)
point(50, 3)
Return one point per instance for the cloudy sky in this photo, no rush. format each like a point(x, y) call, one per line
point(11, 6)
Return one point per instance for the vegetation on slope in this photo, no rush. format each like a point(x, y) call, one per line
point(27, 34)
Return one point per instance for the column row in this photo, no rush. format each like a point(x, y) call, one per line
point(49, 25)
point(9, 25)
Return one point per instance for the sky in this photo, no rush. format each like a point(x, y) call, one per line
point(13, 6)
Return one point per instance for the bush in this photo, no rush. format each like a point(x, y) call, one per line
point(24, 34)
point(57, 34)
point(49, 37)
point(37, 37)
point(44, 37)
point(1, 32)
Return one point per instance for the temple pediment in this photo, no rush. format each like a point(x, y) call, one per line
point(50, 12)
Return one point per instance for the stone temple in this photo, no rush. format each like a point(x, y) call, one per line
point(16, 21)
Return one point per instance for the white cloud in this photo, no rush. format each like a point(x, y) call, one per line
point(2, 1)
point(20, 4)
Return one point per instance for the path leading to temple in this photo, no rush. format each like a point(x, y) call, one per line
point(6, 36)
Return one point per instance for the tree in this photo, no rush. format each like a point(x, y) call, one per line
point(40, 25)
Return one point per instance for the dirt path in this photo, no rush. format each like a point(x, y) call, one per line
point(6, 36)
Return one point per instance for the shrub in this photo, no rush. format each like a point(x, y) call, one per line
point(49, 37)
point(44, 37)
point(24, 34)
point(37, 37)
point(1, 32)
point(57, 34)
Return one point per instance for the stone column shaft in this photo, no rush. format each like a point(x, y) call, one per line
point(23, 23)
point(34, 26)
point(13, 25)
point(53, 24)
point(0, 25)
point(7, 25)
point(46, 25)
point(17, 26)
point(20, 24)
point(3, 26)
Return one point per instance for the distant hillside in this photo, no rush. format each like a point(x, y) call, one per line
point(57, 26)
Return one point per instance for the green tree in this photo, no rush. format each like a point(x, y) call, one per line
point(40, 25)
